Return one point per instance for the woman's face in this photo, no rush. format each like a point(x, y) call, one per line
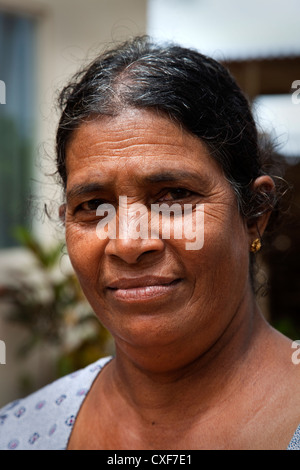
point(154, 293)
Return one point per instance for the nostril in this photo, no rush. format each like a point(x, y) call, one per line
point(132, 251)
point(149, 251)
point(142, 255)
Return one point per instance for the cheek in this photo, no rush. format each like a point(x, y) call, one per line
point(218, 253)
point(84, 249)
point(225, 250)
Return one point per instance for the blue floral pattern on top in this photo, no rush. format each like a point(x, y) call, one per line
point(44, 420)
point(295, 442)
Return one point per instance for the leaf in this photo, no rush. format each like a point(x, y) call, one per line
point(49, 258)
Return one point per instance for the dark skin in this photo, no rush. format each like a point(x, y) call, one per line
point(196, 366)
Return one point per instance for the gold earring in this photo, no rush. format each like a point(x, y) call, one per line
point(255, 245)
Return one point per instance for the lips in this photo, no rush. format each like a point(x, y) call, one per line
point(128, 283)
point(142, 288)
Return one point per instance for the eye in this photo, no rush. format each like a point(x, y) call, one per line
point(175, 194)
point(91, 205)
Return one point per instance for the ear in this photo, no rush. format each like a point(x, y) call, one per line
point(263, 185)
point(62, 213)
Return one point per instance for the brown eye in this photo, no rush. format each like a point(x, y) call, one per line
point(91, 205)
point(176, 194)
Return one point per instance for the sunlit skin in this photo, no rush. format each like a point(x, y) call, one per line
point(193, 353)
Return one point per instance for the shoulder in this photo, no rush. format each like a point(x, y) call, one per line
point(44, 419)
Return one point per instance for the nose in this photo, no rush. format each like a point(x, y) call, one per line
point(133, 250)
point(130, 246)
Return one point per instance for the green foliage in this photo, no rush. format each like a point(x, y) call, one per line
point(54, 310)
point(287, 326)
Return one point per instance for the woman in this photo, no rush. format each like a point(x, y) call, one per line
point(196, 364)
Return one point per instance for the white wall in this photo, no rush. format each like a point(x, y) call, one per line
point(71, 33)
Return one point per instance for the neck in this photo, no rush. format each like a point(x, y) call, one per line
point(156, 390)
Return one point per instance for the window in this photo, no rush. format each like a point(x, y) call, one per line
point(17, 79)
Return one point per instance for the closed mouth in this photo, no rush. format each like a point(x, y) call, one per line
point(142, 288)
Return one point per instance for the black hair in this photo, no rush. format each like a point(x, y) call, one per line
point(190, 88)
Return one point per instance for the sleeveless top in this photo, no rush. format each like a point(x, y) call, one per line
point(44, 419)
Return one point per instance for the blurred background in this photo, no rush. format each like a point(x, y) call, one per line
point(45, 322)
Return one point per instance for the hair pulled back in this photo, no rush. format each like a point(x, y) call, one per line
point(190, 88)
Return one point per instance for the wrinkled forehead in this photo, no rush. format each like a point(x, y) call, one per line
point(132, 127)
point(136, 137)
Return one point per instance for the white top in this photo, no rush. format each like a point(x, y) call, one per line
point(44, 420)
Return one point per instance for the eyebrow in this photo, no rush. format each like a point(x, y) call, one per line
point(84, 189)
point(174, 176)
